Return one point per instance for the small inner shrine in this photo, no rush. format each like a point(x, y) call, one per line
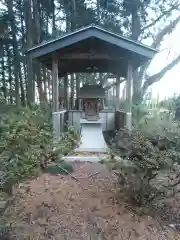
point(91, 101)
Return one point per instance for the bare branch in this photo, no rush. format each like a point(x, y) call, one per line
point(63, 169)
point(158, 38)
point(166, 30)
point(156, 77)
point(172, 185)
point(93, 174)
point(160, 17)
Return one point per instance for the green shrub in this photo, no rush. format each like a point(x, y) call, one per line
point(153, 119)
point(69, 140)
point(23, 138)
point(147, 160)
point(138, 114)
point(26, 144)
point(146, 171)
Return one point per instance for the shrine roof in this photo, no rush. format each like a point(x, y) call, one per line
point(92, 49)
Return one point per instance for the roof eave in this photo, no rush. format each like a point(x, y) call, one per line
point(86, 33)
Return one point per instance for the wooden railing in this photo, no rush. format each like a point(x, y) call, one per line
point(59, 119)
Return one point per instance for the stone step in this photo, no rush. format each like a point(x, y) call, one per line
point(81, 158)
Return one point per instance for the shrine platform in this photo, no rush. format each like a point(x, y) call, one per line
point(92, 139)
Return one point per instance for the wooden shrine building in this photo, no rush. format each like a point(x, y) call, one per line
point(92, 49)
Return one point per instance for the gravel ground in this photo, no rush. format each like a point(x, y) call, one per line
point(59, 207)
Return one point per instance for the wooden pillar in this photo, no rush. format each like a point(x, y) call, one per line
point(72, 92)
point(114, 97)
point(66, 91)
point(129, 86)
point(55, 89)
point(77, 91)
point(117, 91)
point(107, 98)
point(124, 93)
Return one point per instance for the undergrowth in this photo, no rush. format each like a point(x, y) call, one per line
point(147, 160)
point(27, 145)
point(27, 149)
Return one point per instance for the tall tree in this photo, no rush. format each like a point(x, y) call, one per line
point(140, 20)
point(17, 67)
point(141, 29)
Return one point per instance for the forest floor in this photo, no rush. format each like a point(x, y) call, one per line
point(60, 207)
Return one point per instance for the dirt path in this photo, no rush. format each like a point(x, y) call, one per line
point(58, 207)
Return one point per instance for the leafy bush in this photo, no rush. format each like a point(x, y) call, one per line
point(26, 145)
point(145, 170)
point(69, 140)
point(138, 114)
point(6, 231)
point(147, 160)
point(23, 138)
point(153, 119)
point(177, 107)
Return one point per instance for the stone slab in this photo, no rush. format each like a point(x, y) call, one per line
point(82, 158)
point(92, 139)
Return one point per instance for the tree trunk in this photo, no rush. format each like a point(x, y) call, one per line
point(23, 70)
point(25, 79)
point(73, 14)
point(15, 50)
point(98, 13)
point(10, 74)
point(29, 44)
point(53, 19)
point(137, 88)
point(23, 100)
point(3, 88)
point(45, 83)
point(136, 30)
point(42, 98)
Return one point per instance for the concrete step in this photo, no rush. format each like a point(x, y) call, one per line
point(81, 158)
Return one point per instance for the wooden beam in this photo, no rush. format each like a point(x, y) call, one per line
point(110, 66)
point(55, 90)
point(129, 86)
point(90, 56)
